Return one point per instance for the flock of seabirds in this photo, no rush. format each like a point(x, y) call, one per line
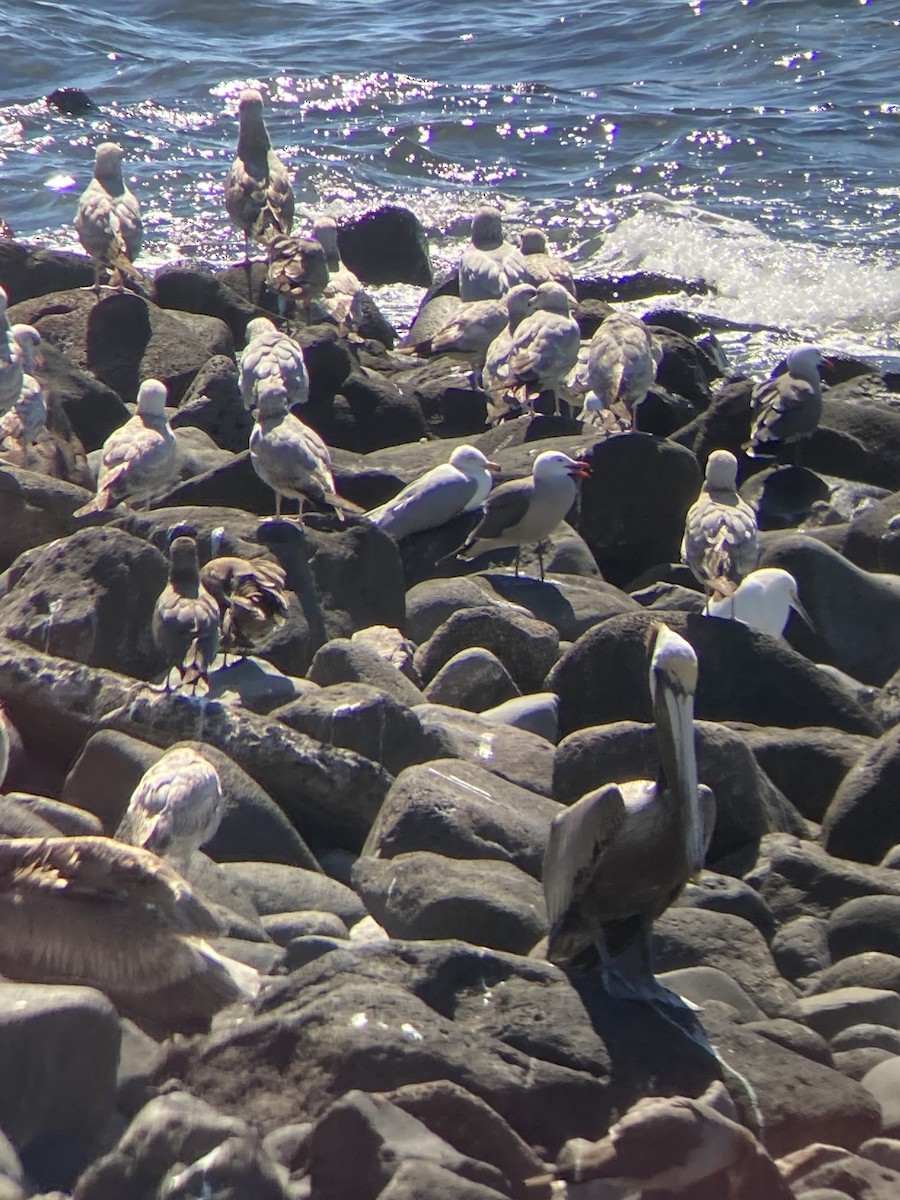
point(118, 914)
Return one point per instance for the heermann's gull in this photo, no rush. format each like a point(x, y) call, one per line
point(343, 295)
point(439, 495)
point(481, 266)
point(140, 457)
point(186, 617)
point(719, 543)
point(525, 512)
point(544, 347)
point(763, 600)
point(272, 355)
point(787, 407)
point(290, 456)
point(258, 194)
point(97, 912)
point(176, 807)
point(108, 218)
point(251, 598)
point(620, 366)
point(533, 263)
point(297, 272)
point(619, 856)
point(495, 375)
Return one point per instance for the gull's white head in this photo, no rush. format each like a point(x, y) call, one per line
point(721, 471)
point(552, 297)
point(151, 399)
point(472, 462)
point(804, 362)
point(673, 662)
point(519, 301)
point(258, 327)
point(553, 464)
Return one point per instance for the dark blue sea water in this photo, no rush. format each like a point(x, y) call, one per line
point(751, 142)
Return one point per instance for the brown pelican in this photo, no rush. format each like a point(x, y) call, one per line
point(258, 195)
point(525, 512)
point(719, 543)
point(97, 912)
point(108, 218)
point(140, 457)
point(186, 617)
point(481, 266)
point(176, 807)
point(251, 599)
point(787, 407)
point(460, 485)
point(620, 855)
point(763, 601)
point(290, 456)
point(271, 355)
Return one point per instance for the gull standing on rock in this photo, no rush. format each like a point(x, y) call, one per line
point(343, 295)
point(297, 273)
point(108, 219)
point(290, 456)
point(258, 194)
point(186, 618)
point(519, 301)
point(621, 366)
point(481, 266)
point(11, 366)
point(544, 347)
point(763, 600)
point(140, 457)
point(469, 331)
point(787, 408)
point(28, 416)
point(176, 807)
point(619, 856)
point(533, 263)
point(719, 543)
point(271, 355)
point(458, 486)
point(97, 912)
point(251, 598)
point(525, 512)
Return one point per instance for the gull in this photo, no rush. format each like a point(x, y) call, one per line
point(620, 856)
point(289, 456)
point(719, 543)
point(533, 263)
point(519, 301)
point(460, 485)
point(96, 912)
point(525, 512)
point(140, 457)
point(186, 618)
point(544, 347)
point(343, 295)
point(251, 598)
point(297, 272)
point(108, 218)
point(620, 366)
point(176, 807)
point(481, 266)
point(28, 415)
point(11, 366)
point(272, 355)
point(258, 195)
point(787, 408)
point(763, 600)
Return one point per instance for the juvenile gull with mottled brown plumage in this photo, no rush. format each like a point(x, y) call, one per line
point(108, 218)
point(258, 194)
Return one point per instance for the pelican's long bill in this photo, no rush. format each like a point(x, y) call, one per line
point(673, 682)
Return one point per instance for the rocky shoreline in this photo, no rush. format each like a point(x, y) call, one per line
point(393, 757)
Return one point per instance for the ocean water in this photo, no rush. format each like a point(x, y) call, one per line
point(751, 143)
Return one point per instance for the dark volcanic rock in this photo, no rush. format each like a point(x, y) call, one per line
point(367, 413)
point(800, 948)
point(93, 409)
point(870, 969)
point(191, 289)
point(514, 754)
point(461, 810)
point(387, 246)
point(744, 676)
point(213, 403)
point(90, 598)
point(683, 369)
point(424, 895)
point(862, 821)
point(856, 615)
point(747, 805)
point(784, 497)
point(277, 888)
point(123, 339)
point(526, 647)
point(661, 481)
point(866, 923)
point(471, 680)
point(723, 893)
point(59, 1046)
point(36, 509)
point(26, 272)
point(343, 660)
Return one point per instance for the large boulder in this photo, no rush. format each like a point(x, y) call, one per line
point(213, 403)
point(36, 509)
point(387, 246)
point(27, 271)
point(862, 821)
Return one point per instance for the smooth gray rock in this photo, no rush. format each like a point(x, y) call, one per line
point(344, 661)
point(831, 1012)
point(869, 969)
point(536, 713)
point(883, 1083)
point(471, 680)
point(857, 1037)
point(862, 822)
point(702, 984)
point(527, 648)
point(793, 1035)
point(867, 923)
point(275, 888)
point(513, 754)
point(800, 948)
